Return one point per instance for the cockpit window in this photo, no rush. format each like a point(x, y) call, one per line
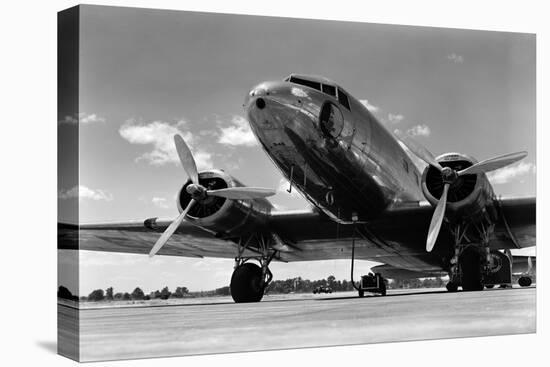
point(332, 120)
point(343, 98)
point(329, 89)
point(307, 83)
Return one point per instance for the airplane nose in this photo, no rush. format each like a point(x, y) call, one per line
point(256, 94)
point(268, 95)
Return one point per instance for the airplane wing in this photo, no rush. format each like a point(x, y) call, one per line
point(397, 238)
point(138, 237)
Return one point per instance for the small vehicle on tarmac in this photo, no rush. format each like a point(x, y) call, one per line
point(322, 289)
point(373, 283)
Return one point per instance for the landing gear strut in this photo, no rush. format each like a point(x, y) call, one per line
point(249, 280)
point(471, 261)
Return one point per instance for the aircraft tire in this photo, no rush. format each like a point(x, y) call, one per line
point(246, 283)
point(525, 281)
point(472, 279)
point(452, 286)
point(383, 288)
point(489, 286)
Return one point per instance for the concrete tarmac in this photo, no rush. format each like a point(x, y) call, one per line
point(108, 333)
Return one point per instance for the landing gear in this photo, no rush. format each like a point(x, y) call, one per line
point(250, 280)
point(473, 263)
point(452, 286)
point(247, 283)
point(489, 286)
point(525, 281)
point(470, 263)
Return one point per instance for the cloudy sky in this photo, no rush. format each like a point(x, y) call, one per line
point(146, 75)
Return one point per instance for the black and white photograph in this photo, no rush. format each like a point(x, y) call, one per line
point(246, 193)
point(232, 182)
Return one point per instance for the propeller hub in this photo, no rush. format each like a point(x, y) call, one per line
point(448, 175)
point(197, 192)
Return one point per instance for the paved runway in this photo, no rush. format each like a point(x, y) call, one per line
point(303, 321)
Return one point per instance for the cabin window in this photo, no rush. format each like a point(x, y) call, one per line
point(305, 82)
point(343, 98)
point(332, 120)
point(329, 89)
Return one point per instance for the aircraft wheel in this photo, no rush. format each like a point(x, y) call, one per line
point(452, 286)
point(470, 262)
point(525, 281)
point(247, 283)
point(489, 286)
point(383, 289)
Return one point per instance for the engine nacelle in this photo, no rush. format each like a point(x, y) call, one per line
point(470, 196)
point(224, 217)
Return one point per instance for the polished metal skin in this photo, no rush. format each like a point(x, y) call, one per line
point(353, 166)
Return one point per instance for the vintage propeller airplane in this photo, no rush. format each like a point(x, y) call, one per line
point(369, 199)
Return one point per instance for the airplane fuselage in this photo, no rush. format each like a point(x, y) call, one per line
point(330, 147)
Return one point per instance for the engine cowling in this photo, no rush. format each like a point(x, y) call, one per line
point(224, 217)
point(469, 195)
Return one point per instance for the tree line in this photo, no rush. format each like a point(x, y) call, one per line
point(291, 285)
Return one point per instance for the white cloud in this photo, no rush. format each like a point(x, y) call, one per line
point(419, 130)
point(237, 134)
point(83, 118)
point(160, 135)
point(395, 118)
point(90, 118)
point(82, 192)
point(69, 120)
point(370, 107)
point(160, 202)
point(507, 174)
point(457, 59)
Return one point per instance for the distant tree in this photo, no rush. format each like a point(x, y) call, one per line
point(97, 295)
point(65, 293)
point(83, 298)
point(155, 294)
point(180, 292)
point(146, 297)
point(330, 281)
point(109, 294)
point(138, 294)
point(345, 286)
point(126, 296)
point(223, 291)
point(118, 296)
point(165, 293)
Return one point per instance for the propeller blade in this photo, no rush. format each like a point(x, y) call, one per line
point(170, 230)
point(437, 219)
point(186, 159)
point(494, 163)
point(418, 150)
point(241, 193)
